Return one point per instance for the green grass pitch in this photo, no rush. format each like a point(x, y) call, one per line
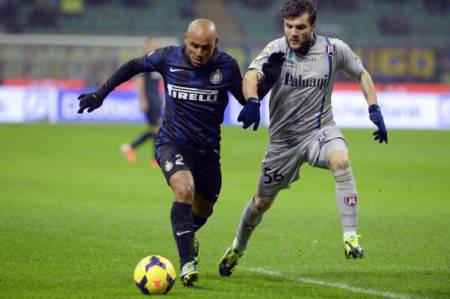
point(75, 218)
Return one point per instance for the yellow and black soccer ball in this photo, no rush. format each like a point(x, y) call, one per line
point(154, 274)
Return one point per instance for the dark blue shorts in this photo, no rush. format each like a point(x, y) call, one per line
point(205, 168)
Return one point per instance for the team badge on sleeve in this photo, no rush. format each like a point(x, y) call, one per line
point(331, 50)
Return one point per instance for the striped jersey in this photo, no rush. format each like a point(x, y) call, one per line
point(301, 98)
point(196, 97)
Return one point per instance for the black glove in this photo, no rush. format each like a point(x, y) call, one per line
point(250, 114)
point(90, 101)
point(272, 68)
point(376, 117)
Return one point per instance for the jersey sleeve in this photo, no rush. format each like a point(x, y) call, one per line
point(125, 72)
point(236, 83)
point(236, 77)
point(347, 60)
point(154, 60)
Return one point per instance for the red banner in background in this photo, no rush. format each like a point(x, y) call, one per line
point(65, 83)
point(69, 83)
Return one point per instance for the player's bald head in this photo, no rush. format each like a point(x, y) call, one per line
point(201, 40)
point(202, 27)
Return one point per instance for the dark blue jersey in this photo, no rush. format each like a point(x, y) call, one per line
point(196, 97)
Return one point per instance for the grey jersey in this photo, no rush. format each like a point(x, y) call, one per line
point(301, 98)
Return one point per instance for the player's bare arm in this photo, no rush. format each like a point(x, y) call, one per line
point(368, 88)
point(250, 84)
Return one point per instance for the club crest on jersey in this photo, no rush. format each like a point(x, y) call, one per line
point(351, 201)
point(216, 77)
point(331, 50)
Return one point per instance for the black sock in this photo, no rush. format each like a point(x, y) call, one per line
point(141, 139)
point(198, 221)
point(183, 230)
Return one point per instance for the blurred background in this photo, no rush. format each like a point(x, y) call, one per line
point(51, 50)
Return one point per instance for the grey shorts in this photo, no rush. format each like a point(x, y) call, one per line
point(281, 165)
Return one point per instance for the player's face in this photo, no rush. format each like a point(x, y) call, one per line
point(298, 31)
point(199, 47)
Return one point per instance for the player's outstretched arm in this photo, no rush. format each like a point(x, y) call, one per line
point(94, 100)
point(375, 115)
point(250, 84)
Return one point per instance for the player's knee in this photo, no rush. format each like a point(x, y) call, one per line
point(340, 163)
point(261, 204)
point(184, 192)
point(343, 163)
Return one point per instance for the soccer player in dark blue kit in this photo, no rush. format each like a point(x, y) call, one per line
point(197, 78)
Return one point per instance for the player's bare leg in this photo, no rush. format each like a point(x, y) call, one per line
point(347, 201)
point(182, 184)
point(250, 218)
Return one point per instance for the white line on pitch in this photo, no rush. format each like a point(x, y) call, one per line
point(342, 286)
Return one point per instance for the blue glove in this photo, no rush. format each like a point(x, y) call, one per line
point(376, 117)
point(250, 114)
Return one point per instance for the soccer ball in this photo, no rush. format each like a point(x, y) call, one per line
point(154, 275)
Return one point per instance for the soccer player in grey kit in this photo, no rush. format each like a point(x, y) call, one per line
point(302, 128)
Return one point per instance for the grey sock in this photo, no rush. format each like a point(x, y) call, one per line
point(250, 218)
point(346, 199)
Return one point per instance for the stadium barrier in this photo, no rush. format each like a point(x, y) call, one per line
point(403, 108)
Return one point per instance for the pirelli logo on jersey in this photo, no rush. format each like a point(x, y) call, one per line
point(301, 82)
point(192, 94)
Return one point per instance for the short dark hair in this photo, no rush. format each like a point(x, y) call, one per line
point(295, 8)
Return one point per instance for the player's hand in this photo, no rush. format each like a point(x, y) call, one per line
point(376, 117)
point(272, 68)
point(89, 101)
point(250, 114)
